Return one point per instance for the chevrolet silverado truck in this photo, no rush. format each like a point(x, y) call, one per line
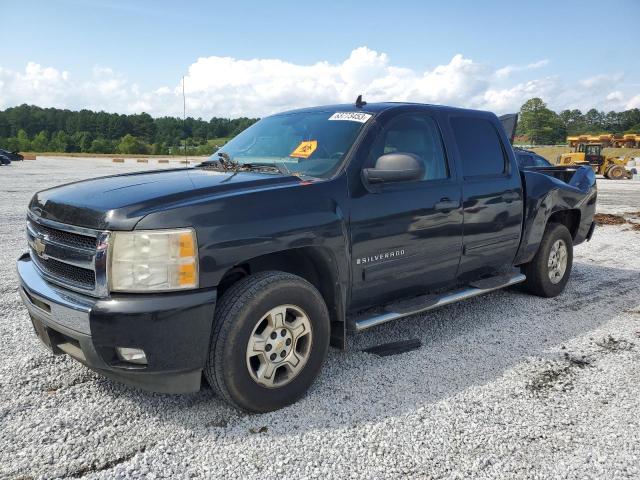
point(243, 270)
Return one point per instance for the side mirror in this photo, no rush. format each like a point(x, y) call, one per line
point(395, 167)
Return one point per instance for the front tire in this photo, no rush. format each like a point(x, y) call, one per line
point(549, 271)
point(270, 338)
point(616, 172)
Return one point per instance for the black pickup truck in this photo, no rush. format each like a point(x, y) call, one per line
point(308, 225)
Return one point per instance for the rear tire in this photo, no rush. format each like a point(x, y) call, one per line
point(548, 272)
point(270, 338)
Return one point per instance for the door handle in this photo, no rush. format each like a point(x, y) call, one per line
point(446, 204)
point(510, 196)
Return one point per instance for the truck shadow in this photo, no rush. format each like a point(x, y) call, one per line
point(463, 345)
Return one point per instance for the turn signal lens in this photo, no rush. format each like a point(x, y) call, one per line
point(154, 260)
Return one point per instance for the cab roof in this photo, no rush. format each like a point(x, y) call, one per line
point(374, 108)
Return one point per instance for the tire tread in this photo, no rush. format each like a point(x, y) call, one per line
point(537, 267)
point(227, 310)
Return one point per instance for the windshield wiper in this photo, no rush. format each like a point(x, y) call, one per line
point(271, 167)
point(227, 163)
point(224, 161)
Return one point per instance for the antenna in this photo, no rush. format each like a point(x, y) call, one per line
point(184, 121)
point(359, 102)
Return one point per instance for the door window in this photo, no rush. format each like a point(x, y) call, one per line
point(416, 134)
point(479, 146)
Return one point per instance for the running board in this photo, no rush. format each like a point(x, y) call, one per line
point(424, 303)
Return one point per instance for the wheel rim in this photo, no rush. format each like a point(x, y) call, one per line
point(557, 261)
point(279, 346)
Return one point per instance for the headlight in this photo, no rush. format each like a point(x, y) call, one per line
point(154, 260)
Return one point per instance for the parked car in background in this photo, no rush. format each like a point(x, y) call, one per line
point(529, 159)
point(13, 156)
point(4, 160)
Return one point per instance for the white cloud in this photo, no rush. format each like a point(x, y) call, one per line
point(633, 102)
point(230, 87)
point(601, 80)
point(539, 64)
point(510, 69)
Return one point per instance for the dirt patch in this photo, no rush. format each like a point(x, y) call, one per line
point(551, 376)
point(635, 226)
point(217, 423)
point(608, 219)
point(558, 374)
point(78, 380)
point(581, 362)
point(99, 466)
point(615, 345)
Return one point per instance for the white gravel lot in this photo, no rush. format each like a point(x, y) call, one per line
point(504, 386)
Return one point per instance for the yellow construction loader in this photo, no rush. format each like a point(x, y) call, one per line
point(591, 154)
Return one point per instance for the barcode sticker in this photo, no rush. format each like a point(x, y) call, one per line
point(351, 116)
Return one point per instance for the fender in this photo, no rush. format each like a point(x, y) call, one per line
point(545, 196)
point(232, 230)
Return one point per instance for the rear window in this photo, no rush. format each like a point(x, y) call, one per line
point(479, 146)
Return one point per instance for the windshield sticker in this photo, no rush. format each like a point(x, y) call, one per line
point(305, 149)
point(351, 116)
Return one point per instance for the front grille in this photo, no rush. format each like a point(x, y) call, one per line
point(68, 255)
point(68, 273)
point(66, 238)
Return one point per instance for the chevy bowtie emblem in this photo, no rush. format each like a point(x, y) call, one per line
point(39, 247)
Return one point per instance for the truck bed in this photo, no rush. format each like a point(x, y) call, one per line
point(564, 173)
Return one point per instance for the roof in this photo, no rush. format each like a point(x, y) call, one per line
point(374, 108)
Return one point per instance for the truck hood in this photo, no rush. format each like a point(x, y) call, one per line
point(118, 202)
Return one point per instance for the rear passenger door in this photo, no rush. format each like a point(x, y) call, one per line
point(491, 194)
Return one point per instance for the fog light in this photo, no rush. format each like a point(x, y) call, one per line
point(132, 355)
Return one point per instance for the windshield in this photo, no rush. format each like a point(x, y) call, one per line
point(309, 144)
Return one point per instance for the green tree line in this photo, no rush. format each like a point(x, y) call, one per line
point(30, 128)
point(542, 126)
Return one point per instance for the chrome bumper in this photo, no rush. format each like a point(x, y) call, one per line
point(53, 306)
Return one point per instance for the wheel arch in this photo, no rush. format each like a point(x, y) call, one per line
point(570, 218)
point(315, 264)
point(534, 230)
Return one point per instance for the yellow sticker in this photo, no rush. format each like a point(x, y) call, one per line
point(305, 149)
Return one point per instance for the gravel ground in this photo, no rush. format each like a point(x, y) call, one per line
point(505, 386)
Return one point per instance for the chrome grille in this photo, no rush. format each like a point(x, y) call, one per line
point(70, 256)
point(63, 271)
point(65, 238)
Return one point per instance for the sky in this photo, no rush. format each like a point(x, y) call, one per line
point(253, 58)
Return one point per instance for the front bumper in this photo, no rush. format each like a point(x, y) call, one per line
point(173, 329)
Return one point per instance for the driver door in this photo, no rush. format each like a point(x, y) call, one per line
point(406, 236)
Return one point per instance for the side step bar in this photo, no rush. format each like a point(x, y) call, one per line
point(425, 303)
